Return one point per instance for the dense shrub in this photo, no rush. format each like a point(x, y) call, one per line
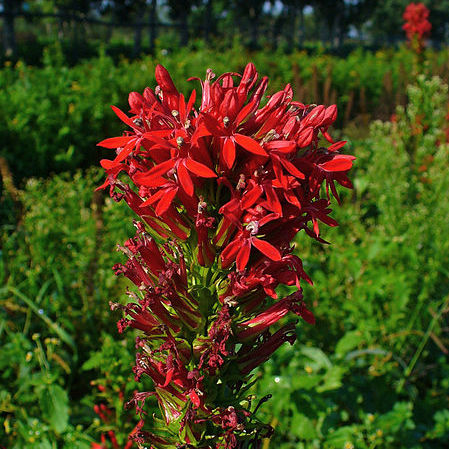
point(375, 373)
point(52, 117)
point(53, 316)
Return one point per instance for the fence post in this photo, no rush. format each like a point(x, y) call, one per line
point(9, 38)
point(153, 25)
point(137, 39)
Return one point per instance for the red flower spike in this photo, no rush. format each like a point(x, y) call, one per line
point(416, 26)
point(222, 190)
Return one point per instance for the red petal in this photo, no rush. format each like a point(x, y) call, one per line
point(267, 249)
point(159, 169)
point(212, 125)
point(273, 199)
point(185, 179)
point(199, 169)
point(315, 116)
point(165, 201)
point(141, 179)
point(107, 164)
point(306, 314)
point(229, 253)
point(247, 110)
point(126, 151)
point(164, 80)
point(194, 398)
point(135, 100)
point(123, 117)
point(339, 163)
point(337, 145)
point(291, 169)
point(305, 137)
point(282, 146)
point(250, 144)
point(191, 101)
point(327, 136)
point(229, 152)
point(153, 198)
point(182, 107)
point(103, 186)
point(153, 136)
point(115, 142)
point(250, 197)
point(243, 256)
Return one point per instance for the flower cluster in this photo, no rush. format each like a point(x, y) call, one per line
point(416, 25)
point(221, 191)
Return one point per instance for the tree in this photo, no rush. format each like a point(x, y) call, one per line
point(332, 13)
point(180, 12)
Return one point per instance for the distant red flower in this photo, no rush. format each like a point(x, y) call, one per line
point(417, 26)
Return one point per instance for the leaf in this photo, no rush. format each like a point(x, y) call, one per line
point(303, 427)
point(318, 356)
point(332, 379)
point(306, 381)
point(348, 342)
point(340, 437)
point(53, 400)
point(63, 335)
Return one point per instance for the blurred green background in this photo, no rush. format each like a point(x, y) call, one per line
point(374, 371)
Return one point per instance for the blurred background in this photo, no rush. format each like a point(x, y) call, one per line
point(374, 371)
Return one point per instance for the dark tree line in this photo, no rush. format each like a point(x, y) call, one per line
point(255, 22)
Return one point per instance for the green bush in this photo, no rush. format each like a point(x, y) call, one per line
point(55, 328)
point(52, 117)
point(373, 372)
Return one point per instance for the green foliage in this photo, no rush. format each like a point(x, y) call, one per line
point(55, 270)
point(373, 372)
point(53, 116)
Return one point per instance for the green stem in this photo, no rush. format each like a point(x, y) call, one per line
point(421, 346)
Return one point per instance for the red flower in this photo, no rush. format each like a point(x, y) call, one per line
point(222, 192)
point(416, 25)
point(240, 248)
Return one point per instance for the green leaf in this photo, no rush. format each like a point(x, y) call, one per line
point(63, 335)
point(318, 356)
point(348, 342)
point(54, 405)
point(303, 427)
point(343, 436)
point(332, 379)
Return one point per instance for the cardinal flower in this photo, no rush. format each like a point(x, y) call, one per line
point(222, 190)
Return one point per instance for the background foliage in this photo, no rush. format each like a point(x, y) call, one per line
point(132, 26)
point(54, 116)
point(373, 372)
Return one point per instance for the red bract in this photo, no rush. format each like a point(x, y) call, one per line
point(416, 25)
point(221, 192)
